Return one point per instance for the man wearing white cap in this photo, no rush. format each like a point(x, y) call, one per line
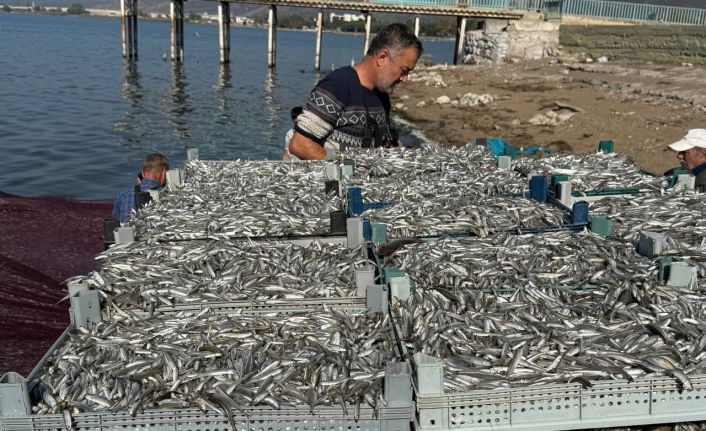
point(691, 152)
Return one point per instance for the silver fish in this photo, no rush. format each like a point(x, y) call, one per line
point(593, 171)
point(152, 275)
point(430, 172)
point(280, 358)
point(504, 324)
point(240, 199)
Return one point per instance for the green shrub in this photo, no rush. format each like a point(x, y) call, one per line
point(76, 9)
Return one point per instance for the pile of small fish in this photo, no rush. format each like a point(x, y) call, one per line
point(146, 276)
point(557, 335)
point(507, 261)
point(243, 199)
point(431, 173)
point(222, 364)
point(593, 171)
point(257, 173)
point(502, 309)
point(681, 216)
point(382, 163)
point(479, 216)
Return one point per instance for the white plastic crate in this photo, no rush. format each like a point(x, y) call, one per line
point(258, 419)
point(396, 415)
point(564, 406)
point(270, 306)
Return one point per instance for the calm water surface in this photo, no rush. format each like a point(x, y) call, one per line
point(76, 119)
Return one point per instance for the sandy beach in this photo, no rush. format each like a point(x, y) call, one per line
point(565, 103)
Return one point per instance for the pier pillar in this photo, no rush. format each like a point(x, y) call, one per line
point(272, 37)
point(128, 13)
point(368, 21)
point(460, 38)
point(176, 25)
point(224, 31)
point(224, 76)
point(416, 25)
point(319, 32)
point(123, 27)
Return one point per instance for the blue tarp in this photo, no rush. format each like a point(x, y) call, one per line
point(498, 147)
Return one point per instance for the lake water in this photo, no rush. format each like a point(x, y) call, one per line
point(76, 119)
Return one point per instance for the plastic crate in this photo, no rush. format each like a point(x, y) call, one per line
point(396, 414)
point(607, 192)
point(553, 192)
point(270, 306)
point(575, 218)
point(562, 406)
point(302, 240)
point(258, 419)
point(572, 227)
point(609, 403)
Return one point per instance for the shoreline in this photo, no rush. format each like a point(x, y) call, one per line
point(112, 13)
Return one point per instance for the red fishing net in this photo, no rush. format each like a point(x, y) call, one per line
point(43, 241)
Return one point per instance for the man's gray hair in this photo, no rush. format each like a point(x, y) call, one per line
point(394, 37)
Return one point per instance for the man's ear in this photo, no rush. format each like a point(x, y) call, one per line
point(382, 56)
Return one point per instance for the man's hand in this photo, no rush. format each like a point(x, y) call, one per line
point(305, 148)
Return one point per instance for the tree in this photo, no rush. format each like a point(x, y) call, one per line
point(352, 26)
point(76, 9)
point(294, 21)
point(260, 17)
point(6, 8)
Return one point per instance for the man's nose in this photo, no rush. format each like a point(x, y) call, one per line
point(404, 78)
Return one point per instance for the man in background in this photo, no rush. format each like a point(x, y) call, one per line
point(691, 152)
point(154, 177)
point(350, 107)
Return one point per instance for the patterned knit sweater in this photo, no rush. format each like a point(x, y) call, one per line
point(335, 114)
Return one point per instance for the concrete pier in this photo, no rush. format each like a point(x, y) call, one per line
point(319, 32)
point(460, 11)
point(224, 31)
point(128, 13)
point(460, 38)
point(176, 25)
point(368, 22)
point(224, 76)
point(272, 37)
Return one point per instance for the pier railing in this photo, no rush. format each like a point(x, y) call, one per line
point(532, 5)
point(634, 12)
point(590, 8)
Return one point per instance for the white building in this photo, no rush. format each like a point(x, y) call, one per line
point(237, 20)
point(347, 17)
point(243, 20)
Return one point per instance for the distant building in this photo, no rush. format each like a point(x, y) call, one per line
point(238, 20)
point(243, 20)
point(347, 17)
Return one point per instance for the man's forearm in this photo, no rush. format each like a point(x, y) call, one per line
point(305, 148)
